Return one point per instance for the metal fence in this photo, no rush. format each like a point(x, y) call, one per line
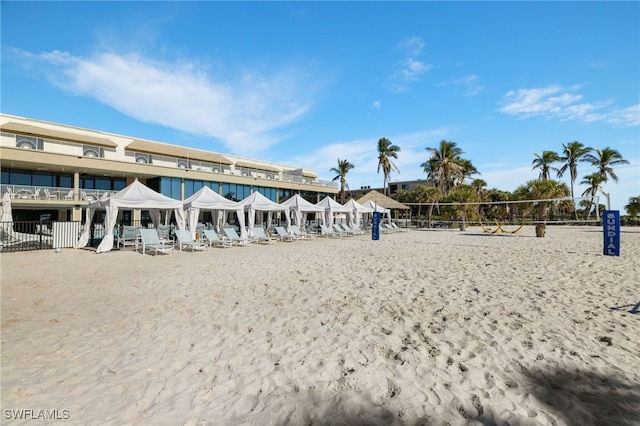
point(37, 235)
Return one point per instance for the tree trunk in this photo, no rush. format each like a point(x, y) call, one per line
point(463, 223)
point(429, 216)
point(541, 226)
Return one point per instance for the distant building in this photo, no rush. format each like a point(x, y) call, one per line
point(54, 170)
point(408, 185)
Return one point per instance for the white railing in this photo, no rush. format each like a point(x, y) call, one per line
point(49, 193)
point(77, 149)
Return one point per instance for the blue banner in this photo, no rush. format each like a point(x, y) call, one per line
point(611, 232)
point(375, 226)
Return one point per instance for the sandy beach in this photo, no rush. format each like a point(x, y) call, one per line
point(431, 327)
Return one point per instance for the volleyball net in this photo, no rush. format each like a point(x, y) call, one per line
point(566, 210)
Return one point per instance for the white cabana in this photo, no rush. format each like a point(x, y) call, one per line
point(208, 199)
point(377, 208)
point(357, 211)
point(257, 202)
point(299, 207)
point(134, 197)
point(331, 206)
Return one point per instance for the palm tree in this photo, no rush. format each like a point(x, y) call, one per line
point(543, 190)
point(420, 194)
point(633, 208)
point(479, 185)
point(468, 169)
point(604, 159)
point(343, 168)
point(594, 182)
point(387, 150)
point(463, 194)
point(433, 196)
point(444, 164)
point(544, 161)
point(572, 154)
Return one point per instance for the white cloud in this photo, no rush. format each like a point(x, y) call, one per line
point(377, 104)
point(556, 102)
point(409, 68)
point(626, 117)
point(244, 113)
point(468, 86)
point(413, 46)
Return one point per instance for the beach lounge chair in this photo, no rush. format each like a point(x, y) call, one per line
point(386, 228)
point(184, 240)
point(326, 232)
point(339, 231)
point(150, 240)
point(213, 239)
point(284, 235)
point(128, 237)
point(295, 230)
point(395, 227)
point(232, 236)
point(261, 237)
point(345, 228)
point(355, 229)
point(164, 233)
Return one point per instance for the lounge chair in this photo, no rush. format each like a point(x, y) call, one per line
point(150, 239)
point(164, 233)
point(185, 240)
point(295, 230)
point(261, 237)
point(385, 227)
point(326, 232)
point(213, 239)
point(233, 236)
point(284, 235)
point(129, 236)
point(397, 228)
point(345, 228)
point(354, 228)
point(338, 230)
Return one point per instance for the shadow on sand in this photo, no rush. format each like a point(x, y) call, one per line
point(586, 398)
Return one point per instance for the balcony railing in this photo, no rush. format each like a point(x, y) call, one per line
point(49, 193)
point(81, 150)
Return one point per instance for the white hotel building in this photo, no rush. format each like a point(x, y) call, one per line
point(54, 170)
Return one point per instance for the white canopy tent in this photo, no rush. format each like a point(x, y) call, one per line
point(377, 208)
point(357, 211)
point(331, 206)
point(134, 197)
point(208, 199)
point(299, 207)
point(257, 202)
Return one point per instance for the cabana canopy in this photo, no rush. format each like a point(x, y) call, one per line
point(258, 202)
point(134, 197)
point(357, 210)
point(299, 206)
point(208, 199)
point(382, 200)
point(331, 206)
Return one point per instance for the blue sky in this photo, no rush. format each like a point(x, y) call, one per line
point(306, 83)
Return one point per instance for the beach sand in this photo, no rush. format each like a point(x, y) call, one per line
point(430, 327)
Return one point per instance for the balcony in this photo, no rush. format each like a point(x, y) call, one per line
point(27, 193)
point(218, 164)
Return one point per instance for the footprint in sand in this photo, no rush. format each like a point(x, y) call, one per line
point(392, 389)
